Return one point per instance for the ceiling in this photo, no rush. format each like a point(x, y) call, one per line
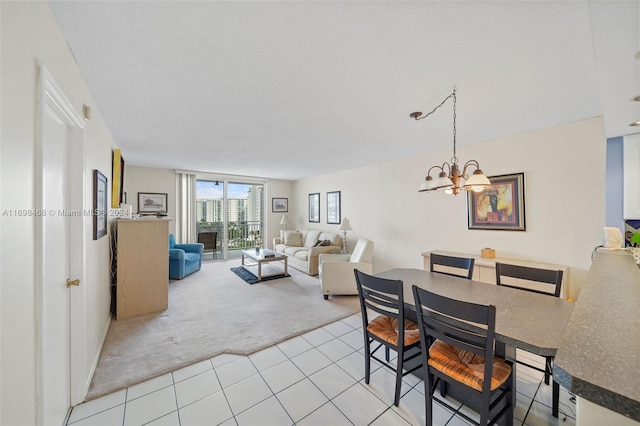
point(294, 89)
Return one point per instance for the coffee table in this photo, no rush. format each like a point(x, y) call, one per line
point(260, 256)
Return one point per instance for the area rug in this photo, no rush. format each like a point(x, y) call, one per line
point(249, 278)
point(211, 313)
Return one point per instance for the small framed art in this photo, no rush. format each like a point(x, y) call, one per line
point(314, 207)
point(333, 207)
point(279, 205)
point(151, 202)
point(99, 205)
point(501, 206)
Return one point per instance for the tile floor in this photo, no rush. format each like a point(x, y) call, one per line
point(313, 379)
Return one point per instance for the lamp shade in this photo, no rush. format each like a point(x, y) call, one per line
point(477, 182)
point(283, 221)
point(345, 225)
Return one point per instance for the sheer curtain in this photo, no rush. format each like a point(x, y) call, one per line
point(186, 212)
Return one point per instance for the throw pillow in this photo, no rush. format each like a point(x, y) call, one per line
point(324, 243)
point(316, 244)
point(293, 239)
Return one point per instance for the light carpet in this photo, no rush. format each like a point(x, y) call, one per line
point(210, 312)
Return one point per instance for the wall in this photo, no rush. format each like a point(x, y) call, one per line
point(614, 186)
point(29, 33)
point(147, 179)
point(564, 170)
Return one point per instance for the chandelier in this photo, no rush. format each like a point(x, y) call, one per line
point(450, 179)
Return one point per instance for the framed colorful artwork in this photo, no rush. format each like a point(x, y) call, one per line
point(501, 206)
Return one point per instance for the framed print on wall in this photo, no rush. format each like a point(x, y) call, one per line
point(333, 207)
point(501, 206)
point(314, 207)
point(279, 205)
point(100, 197)
point(151, 202)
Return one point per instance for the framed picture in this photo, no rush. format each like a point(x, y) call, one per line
point(100, 200)
point(151, 202)
point(333, 207)
point(314, 207)
point(279, 205)
point(500, 207)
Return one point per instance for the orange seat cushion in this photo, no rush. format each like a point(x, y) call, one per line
point(386, 328)
point(466, 367)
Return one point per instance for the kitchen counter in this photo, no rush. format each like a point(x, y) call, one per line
point(599, 355)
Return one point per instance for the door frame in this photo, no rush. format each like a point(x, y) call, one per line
point(50, 94)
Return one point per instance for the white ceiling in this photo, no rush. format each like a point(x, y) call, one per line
point(294, 89)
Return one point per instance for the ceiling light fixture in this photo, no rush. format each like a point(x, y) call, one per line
point(451, 181)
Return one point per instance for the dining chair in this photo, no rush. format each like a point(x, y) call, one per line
point(463, 263)
point(463, 354)
point(385, 297)
point(536, 280)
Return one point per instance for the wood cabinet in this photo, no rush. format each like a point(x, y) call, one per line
point(484, 269)
point(142, 266)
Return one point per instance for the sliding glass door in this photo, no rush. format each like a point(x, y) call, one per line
point(230, 216)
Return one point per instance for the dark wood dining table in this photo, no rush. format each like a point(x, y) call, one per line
point(533, 322)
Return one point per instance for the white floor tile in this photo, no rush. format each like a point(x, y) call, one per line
point(390, 418)
point(311, 361)
point(282, 376)
point(522, 406)
point(332, 380)
point(335, 349)
point(267, 358)
point(170, 419)
point(97, 405)
point(301, 399)
point(383, 384)
point(295, 346)
point(247, 393)
point(338, 328)
point(222, 359)
point(359, 405)
point(318, 336)
point(141, 389)
point(235, 371)
point(213, 409)
point(196, 387)
point(544, 396)
point(354, 338)
point(150, 407)
point(192, 370)
point(328, 414)
point(540, 415)
point(268, 412)
point(110, 417)
point(527, 385)
point(354, 365)
point(354, 321)
point(412, 409)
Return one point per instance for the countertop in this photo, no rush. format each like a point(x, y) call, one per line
point(599, 355)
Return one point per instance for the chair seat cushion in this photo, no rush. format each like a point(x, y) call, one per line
point(191, 257)
point(386, 328)
point(466, 367)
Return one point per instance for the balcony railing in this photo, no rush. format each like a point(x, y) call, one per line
point(241, 234)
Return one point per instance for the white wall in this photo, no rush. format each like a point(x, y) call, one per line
point(29, 33)
point(148, 179)
point(564, 170)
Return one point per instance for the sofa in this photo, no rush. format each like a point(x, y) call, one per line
point(303, 247)
point(184, 259)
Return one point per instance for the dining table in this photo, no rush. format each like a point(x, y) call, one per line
point(524, 320)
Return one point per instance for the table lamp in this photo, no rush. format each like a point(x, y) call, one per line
point(344, 227)
point(283, 222)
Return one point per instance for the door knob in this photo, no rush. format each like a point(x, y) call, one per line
point(74, 282)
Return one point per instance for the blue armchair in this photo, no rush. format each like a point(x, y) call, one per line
point(184, 259)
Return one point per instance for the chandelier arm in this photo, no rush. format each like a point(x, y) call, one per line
point(434, 167)
point(470, 163)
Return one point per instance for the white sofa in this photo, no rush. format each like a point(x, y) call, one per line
point(336, 270)
point(301, 248)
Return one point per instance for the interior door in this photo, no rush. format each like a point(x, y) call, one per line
point(57, 129)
